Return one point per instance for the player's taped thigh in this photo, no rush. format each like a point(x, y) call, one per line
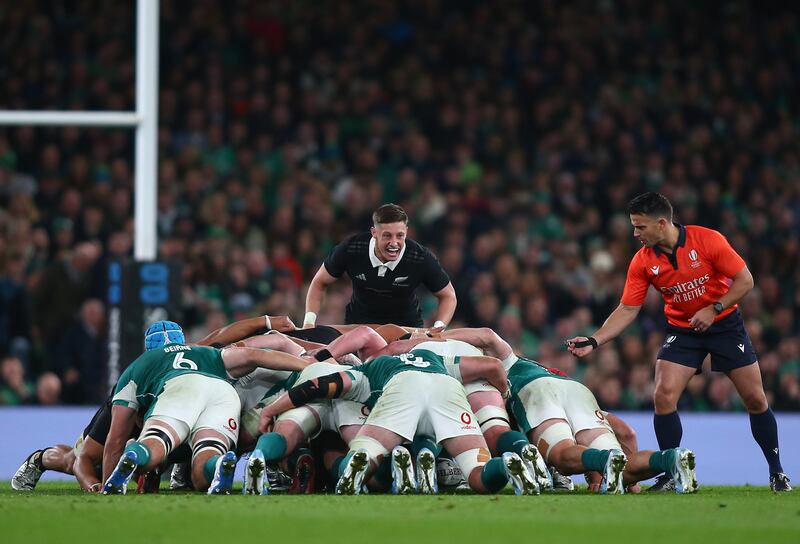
point(552, 435)
point(304, 417)
point(374, 448)
point(472, 459)
point(216, 445)
point(492, 416)
point(167, 431)
point(606, 441)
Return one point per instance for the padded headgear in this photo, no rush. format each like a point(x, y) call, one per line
point(161, 333)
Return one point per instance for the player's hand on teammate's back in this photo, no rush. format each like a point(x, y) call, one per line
point(703, 319)
point(579, 351)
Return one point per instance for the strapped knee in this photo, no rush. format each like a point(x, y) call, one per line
point(375, 449)
point(606, 441)
point(492, 416)
point(551, 436)
point(216, 445)
point(472, 459)
point(159, 434)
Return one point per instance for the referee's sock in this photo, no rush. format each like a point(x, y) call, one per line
point(765, 431)
point(668, 430)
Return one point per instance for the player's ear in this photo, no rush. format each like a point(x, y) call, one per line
point(372, 231)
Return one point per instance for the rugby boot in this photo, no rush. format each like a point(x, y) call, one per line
point(536, 466)
point(353, 477)
point(27, 475)
point(254, 481)
point(222, 484)
point(427, 483)
point(779, 482)
point(523, 482)
point(612, 474)
point(117, 483)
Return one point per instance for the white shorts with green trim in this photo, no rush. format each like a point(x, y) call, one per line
point(425, 403)
point(556, 398)
point(201, 402)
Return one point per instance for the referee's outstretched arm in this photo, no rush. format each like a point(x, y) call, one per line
point(447, 304)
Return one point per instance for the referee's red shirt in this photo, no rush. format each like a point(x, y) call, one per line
point(693, 277)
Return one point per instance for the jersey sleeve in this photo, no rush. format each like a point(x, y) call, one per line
point(360, 390)
point(723, 257)
point(636, 283)
point(125, 392)
point(336, 262)
point(433, 275)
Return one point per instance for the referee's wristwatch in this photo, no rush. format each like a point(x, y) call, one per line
point(718, 307)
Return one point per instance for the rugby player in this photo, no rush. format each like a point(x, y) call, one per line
point(701, 278)
point(385, 268)
point(183, 393)
point(406, 392)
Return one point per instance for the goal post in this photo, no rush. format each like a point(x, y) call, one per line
point(144, 121)
point(141, 290)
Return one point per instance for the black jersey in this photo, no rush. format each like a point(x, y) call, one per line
point(387, 298)
point(98, 427)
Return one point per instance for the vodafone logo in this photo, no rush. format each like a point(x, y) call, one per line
point(466, 419)
point(364, 410)
point(232, 424)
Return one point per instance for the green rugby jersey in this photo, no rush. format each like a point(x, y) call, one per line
point(524, 371)
point(521, 373)
point(142, 382)
point(380, 370)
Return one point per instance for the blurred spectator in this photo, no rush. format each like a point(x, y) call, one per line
point(48, 389)
point(83, 355)
point(14, 389)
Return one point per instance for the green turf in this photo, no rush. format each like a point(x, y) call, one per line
point(59, 512)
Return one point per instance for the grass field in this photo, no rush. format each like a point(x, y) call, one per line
point(59, 512)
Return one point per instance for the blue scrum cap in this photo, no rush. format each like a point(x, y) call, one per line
point(161, 333)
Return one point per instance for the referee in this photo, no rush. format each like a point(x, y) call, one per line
point(385, 268)
point(691, 267)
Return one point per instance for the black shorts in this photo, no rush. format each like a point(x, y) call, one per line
point(98, 427)
point(726, 340)
point(321, 334)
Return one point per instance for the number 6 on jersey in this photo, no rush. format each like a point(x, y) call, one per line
point(181, 363)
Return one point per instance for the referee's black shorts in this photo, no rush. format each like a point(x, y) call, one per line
point(726, 340)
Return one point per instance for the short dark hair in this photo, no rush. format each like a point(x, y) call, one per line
point(389, 213)
point(651, 204)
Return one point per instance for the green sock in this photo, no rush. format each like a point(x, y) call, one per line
point(662, 461)
point(210, 467)
point(512, 441)
point(425, 441)
point(383, 474)
point(594, 459)
point(339, 465)
point(142, 452)
point(493, 475)
point(273, 445)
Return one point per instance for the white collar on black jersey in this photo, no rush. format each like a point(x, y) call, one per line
point(376, 263)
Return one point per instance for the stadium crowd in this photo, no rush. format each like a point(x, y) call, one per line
point(512, 133)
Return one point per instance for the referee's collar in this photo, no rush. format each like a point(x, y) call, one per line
point(680, 243)
point(376, 262)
